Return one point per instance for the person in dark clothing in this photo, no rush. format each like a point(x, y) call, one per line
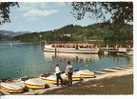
point(69, 72)
point(58, 75)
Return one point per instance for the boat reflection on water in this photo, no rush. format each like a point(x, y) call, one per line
point(87, 61)
point(78, 60)
point(71, 57)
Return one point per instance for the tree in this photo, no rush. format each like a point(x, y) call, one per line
point(120, 12)
point(5, 11)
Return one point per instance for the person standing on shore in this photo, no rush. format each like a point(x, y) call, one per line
point(69, 72)
point(58, 75)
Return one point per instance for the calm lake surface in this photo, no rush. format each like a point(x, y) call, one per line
point(18, 60)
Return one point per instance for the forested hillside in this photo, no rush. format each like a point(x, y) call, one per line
point(102, 31)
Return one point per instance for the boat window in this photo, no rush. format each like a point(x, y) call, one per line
point(60, 46)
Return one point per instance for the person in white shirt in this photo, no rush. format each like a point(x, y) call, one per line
point(58, 75)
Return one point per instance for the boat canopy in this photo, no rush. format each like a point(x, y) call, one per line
point(74, 45)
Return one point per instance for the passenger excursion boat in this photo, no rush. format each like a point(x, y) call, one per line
point(72, 48)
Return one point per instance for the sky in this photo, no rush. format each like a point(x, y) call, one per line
point(36, 17)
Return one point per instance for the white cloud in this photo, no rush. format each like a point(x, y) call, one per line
point(37, 12)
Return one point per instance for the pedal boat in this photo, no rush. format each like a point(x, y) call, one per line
point(12, 87)
point(36, 83)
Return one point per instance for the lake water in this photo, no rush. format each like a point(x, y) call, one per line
point(18, 60)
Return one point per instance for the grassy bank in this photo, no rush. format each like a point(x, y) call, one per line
point(113, 86)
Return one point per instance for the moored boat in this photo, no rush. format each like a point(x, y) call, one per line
point(122, 50)
point(86, 74)
point(72, 48)
point(130, 51)
point(36, 83)
point(12, 87)
point(52, 78)
point(83, 74)
point(77, 76)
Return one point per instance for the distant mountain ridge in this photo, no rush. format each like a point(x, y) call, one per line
point(8, 35)
point(5, 34)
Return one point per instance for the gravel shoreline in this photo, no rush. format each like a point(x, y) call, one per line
point(113, 83)
point(108, 86)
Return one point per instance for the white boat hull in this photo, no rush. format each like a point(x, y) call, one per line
point(130, 53)
point(73, 50)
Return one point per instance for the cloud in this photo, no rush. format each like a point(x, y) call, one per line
point(42, 5)
point(38, 12)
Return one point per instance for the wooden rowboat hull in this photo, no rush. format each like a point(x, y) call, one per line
point(12, 90)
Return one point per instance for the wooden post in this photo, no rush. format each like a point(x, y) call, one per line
point(55, 52)
point(55, 45)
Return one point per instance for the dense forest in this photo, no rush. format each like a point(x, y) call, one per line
point(103, 31)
